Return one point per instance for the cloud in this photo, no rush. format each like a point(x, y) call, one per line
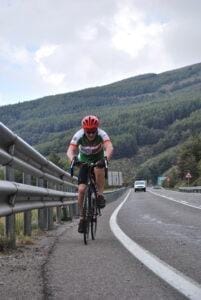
point(49, 47)
point(89, 33)
point(13, 54)
point(47, 75)
point(132, 34)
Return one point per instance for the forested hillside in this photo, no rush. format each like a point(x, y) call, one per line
point(148, 118)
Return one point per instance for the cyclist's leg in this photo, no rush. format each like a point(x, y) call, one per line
point(100, 179)
point(82, 185)
point(81, 193)
point(100, 182)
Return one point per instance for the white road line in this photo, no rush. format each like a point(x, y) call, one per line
point(173, 277)
point(172, 199)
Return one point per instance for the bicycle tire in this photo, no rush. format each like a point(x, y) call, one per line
point(94, 212)
point(86, 219)
point(86, 231)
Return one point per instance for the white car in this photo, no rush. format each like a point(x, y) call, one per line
point(140, 185)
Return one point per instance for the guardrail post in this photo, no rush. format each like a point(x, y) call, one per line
point(10, 220)
point(66, 213)
point(27, 214)
point(58, 210)
point(65, 208)
point(75, 205)
point(70, 209)
point(50, 223)
point(42, 215)
point(58, 215)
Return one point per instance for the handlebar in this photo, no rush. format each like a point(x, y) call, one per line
point(92, 165)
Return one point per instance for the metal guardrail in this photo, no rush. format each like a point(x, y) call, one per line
point(115, 194)
point(13, 144)
point(44, 185)
point(192, 189)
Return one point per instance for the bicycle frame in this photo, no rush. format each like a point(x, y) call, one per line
point(90, 209)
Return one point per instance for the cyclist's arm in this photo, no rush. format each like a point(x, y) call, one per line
point(108, 149)
point(71, 152)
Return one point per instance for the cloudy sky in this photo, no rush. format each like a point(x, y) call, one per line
point(49, 47)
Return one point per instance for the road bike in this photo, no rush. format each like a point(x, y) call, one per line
point(90, 208)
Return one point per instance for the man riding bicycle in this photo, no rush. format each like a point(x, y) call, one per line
point(90, 144)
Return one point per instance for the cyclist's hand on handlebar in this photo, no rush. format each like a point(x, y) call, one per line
point(102, 163)
point(75, 161)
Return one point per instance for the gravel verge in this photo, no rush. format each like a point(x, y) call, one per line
point(22, 273)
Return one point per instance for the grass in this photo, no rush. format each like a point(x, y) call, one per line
point(21, 239)
point(1, 227)
point(19, 228)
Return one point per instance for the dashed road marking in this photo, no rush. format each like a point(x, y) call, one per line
point(182, 283)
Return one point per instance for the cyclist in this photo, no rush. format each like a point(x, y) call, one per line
point(90, 144)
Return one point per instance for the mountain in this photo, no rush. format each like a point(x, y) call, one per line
point(148, 118)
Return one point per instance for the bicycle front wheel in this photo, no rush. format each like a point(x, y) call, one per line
point(93, 228)
point(86, 231)
point(94, 216)
point(86, 217)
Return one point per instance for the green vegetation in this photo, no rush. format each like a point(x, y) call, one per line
point(1, 173)
point(148, 117)
point(188, 161)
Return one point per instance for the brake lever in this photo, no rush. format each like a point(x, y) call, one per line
point(106, 168)
point(72, 168)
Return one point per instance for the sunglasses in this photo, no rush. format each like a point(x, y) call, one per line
point(90, 131)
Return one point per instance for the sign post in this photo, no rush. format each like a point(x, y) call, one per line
point(188, 177)
point(168, 181)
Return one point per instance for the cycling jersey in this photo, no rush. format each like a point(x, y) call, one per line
point(90, 151)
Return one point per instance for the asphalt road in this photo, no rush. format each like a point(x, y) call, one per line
point(170, 230)
point(104, 269)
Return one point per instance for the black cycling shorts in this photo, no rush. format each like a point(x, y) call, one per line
point(83, 175)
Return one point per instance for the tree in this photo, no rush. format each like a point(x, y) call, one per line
point(189, 157)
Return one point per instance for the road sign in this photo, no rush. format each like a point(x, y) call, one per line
point(160, 180)
point(188, 175)
point(115, 178)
